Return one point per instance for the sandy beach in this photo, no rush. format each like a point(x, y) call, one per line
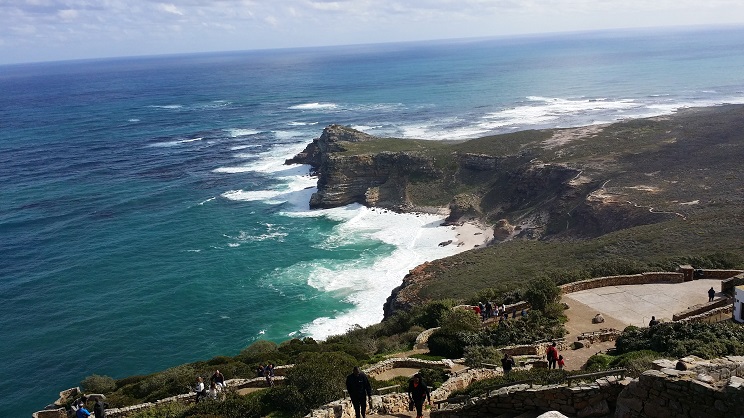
point(472, 234)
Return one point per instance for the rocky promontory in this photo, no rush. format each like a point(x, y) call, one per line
point(633, 192)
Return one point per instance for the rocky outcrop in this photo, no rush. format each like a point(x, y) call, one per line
point(379, 179)
point(710, 389)
point(329, 141)
point(543, 200)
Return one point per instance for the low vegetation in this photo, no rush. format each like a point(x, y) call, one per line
point(679, 339)
point(687, 170)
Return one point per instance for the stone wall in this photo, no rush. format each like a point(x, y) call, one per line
point(397, 403)
point(707, 389)
point(586, 400)
point(609, 334)
point(51, 413)
point(702, 308)
point(629, 279)
point(423, 338)
point(728, 285)
point(412, 363)
point(723, 313)
point(720, 274)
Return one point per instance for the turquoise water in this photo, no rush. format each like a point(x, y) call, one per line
point(146, 218)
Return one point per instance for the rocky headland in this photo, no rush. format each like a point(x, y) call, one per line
point(554, 185)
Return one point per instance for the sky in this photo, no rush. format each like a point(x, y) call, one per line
point(52, 30)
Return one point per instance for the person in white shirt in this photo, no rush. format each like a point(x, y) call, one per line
point(200, 393)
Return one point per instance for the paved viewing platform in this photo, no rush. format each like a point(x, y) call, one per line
point(636, 304)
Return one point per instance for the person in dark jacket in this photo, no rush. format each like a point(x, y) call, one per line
point(711, 294)
point(359, 390)
point(418, 392)
point(507, 363)
point(99, 409)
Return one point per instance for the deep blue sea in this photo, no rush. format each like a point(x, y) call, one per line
point(147, 219)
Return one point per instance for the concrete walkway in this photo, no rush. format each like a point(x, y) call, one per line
point(635, 304)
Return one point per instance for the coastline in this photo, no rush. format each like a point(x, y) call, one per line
point(472, 234)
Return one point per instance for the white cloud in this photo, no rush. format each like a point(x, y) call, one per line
point(30, 28)
point(170, 8)
point(68, 14)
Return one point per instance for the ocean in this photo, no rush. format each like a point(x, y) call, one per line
point(147, 218)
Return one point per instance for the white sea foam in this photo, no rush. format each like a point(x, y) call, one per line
point(302, 123)
point(239, 132)
point(208, 200)
point(366, 281)
point(315, 106)
point(175, 143)
point(169, 107)
point(271, 161)
point(240, 147)
point(284, 135)
point(133, 120)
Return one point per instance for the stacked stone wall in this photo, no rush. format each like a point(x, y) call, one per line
point(412, 363)
point(707, 389)
point(702, 308)
point(723, 313)
point(602, 335)
point(51, 413)
point(728, 285)
point(423, 338)
point(595, 399)
point(720, 274)
point(628, 279)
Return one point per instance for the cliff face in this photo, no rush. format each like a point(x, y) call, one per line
point(544, 200)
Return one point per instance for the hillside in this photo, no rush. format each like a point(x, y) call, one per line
point(569, 203)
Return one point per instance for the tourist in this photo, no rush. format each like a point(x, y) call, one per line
point(200, 392)
point(269, 374)
point(418, 392)
point(359, 390)
point(561, 362)
point(214, 391)
point(99, 409)
point(218, 378)
point(260, 370)
point(552, 355)
point(82, 411)
point(507, 363)
point(489, 309)
point(653, 321)
point(524, 313)
point(711, 294)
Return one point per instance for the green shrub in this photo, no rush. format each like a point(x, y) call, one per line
point(598, 362)
point(98, 384)
point(433, 377)
point(320, 377)
point(475, 355)
point(446, 344)
point(541, 292)
point(460, 320)
point(636, 362)
point(535, 327)
point(429, 357)
point(234, 406)
point(679, 339)
point(168, 410)
point(430, 315)
point(538, 376)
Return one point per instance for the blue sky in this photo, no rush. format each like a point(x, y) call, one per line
point(48, 30)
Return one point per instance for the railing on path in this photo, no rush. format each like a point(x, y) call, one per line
point(464, 398)
point(612, 372)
